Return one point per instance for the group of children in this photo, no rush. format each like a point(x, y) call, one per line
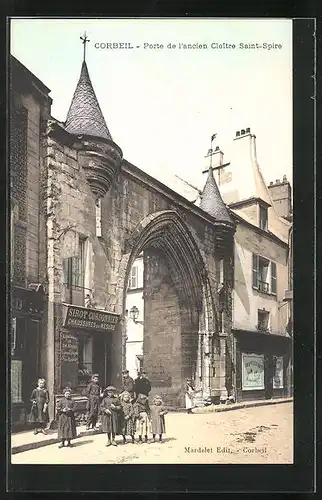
point(120, 414)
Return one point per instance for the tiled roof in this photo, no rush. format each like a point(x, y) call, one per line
point(211, 200)
point(85, 116)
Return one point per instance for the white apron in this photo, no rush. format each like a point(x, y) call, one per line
point(189, 398)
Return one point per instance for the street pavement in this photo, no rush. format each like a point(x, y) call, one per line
point(257, 435)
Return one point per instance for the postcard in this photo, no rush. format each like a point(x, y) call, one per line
point(151, 241)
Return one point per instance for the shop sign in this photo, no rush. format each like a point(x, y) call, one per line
point(90, 319)
point(252, 371)
point(278, 372)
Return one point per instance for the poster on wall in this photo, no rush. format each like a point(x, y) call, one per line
point(253, 371)
point(278, 373)
point(16, 381)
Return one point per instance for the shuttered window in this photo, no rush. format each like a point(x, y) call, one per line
point(264, 274)
point(273, 277)
point(255, 270)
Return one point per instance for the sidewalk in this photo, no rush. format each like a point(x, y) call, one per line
point(24, 441)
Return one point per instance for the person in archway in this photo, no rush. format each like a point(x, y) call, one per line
point(142, 385)
point(189, 395)
point(127, 383)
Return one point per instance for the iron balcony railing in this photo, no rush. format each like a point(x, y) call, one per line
point(76, 295)
point(263, 286)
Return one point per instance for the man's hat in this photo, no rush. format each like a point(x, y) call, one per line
point(95, 375)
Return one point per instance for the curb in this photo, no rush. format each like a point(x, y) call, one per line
point(201, 410)
point(237, 406)
point(46, 442)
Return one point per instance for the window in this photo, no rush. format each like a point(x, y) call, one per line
point(74, 276)
point(263, 320)
point(98, 218)
point(264, 274)
point(139, 362)
point(133, 280)
point(85, 358)
point(74, 268)
point(273, 277)
point(263, 218)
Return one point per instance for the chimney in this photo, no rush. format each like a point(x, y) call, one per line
point(281, 195)
point(217, 157)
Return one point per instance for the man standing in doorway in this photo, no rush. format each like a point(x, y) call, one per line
point(128, 383)
point(142, 385)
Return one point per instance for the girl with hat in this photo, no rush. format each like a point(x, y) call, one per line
point(110, 411)
point(142, 416)
point(157, 418)
point(127, 416)
point(66, 418)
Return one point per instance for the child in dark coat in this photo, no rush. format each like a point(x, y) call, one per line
point(66, 418)
point(157, 418)
point(127, 416)
point(39, 410)
point(142, 416)
point(94, 394)
point(110, 410)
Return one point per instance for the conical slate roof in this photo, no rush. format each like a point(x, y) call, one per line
point(85, 116)
point(211, 201)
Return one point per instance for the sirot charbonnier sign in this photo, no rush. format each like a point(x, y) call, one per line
point(90, 319)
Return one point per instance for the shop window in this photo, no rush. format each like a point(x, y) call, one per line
point(263, 320)
point(16, 381)
point(263, 218)
point(85, 359)
point(264, 274)
point(133, 280)
point(252, 372)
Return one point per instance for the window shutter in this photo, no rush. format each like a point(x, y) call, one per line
point(255, 270)
point(273, 277)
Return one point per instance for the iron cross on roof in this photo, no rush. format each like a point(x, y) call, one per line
point(84, 41)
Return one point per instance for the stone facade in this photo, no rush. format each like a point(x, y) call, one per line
point(29, 110)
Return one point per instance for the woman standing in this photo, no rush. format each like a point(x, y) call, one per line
point(189, 395)
point(39, 409)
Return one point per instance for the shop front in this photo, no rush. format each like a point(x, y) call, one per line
point(262, 365)
point(26, 327)
point(86, 347)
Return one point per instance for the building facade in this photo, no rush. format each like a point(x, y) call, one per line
point(29, 110)
point(262, 343)
point(134, 316)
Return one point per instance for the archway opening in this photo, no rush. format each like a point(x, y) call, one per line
point(164, 304)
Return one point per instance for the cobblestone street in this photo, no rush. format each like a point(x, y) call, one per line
point(261, 435)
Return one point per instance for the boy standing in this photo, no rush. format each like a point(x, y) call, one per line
point(93, 393)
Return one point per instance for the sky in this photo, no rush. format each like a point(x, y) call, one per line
point(163, 105)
